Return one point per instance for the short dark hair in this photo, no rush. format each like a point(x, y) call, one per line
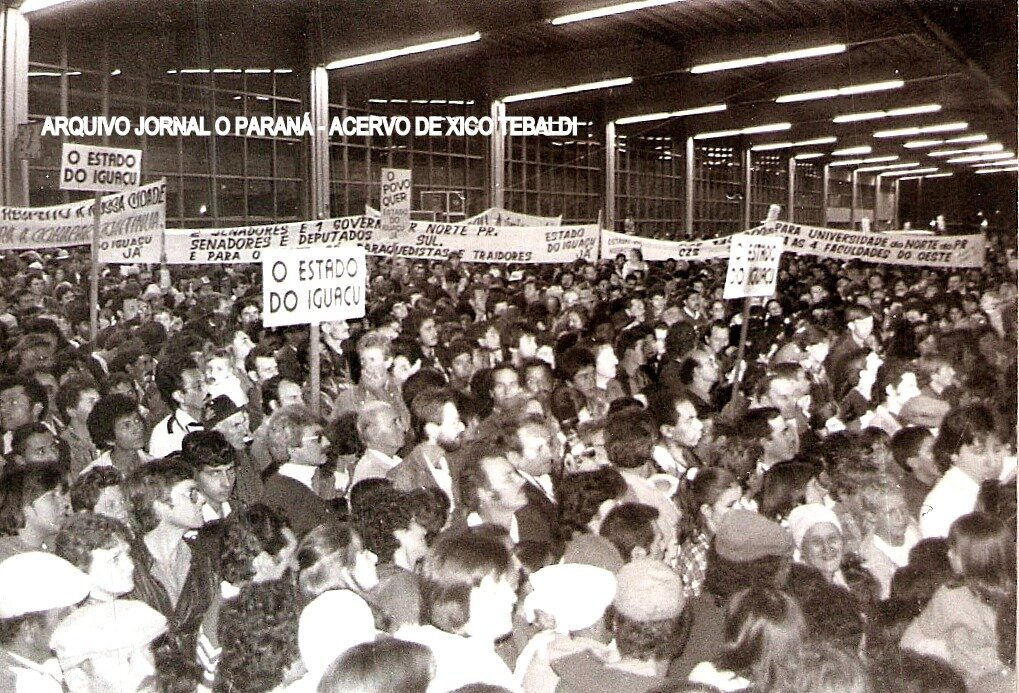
point(86, 532)
point(207, 449)
point(376, 522)
point(582, 493)
point(630, 525)
point(69, 393)
point(106, 413)
point(88, 486)
point(21, 486)
point(33, 389)
point(630, 438)
point(245, 534)
point(151, 482)
point(455, 564)
point(169, 376)
point(22, 433)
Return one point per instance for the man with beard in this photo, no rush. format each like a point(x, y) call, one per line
point(438, 427)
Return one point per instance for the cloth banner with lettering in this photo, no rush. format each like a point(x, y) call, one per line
point(497, 216)
point(131, 225)
point(869, 246)
point(429, 241)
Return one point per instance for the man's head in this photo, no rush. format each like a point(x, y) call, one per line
point(100, 490)
point(538, 376)
point(164, 492)
point(437, 418)
point(388, 528)
point(677, 418)
point(782, 389)
point(213, 460)
point(490, 484)
point(776, 436)
point(296, 436)
point(181, 384)
point(380, 428)
point(894, 385)
point(33, 500)
point(260, 363)
point(22, 401)
point(530, 445)
point(468, 586)
point(76, 397)
point(699, 370)
point(34, 444)
point(375, 353)
point(99, 547)
point(646, 611)
point(860, 322)
point(107, 648)
point(115, 422)
point(505, 385)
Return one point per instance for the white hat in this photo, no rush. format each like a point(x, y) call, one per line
point(330, 625)
point(36, 581)
point(576, 595)
point(803, 517)
point(123, 624)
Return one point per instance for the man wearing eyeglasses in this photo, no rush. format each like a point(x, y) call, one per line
point(166, 504)
point(298, 489)
point(182, 387)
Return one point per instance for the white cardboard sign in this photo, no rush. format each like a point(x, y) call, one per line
point(99, 169)
point(395, 201)
point(753, 265)
point(301, 286)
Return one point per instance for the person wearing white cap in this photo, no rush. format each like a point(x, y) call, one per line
point(817, 536)
point(569, 601)
point(107, 648)
point(37, 590)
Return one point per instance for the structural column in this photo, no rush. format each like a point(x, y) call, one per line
point(13, 106)
point(895, 206)
point(791, 211)
point(318, 83)
point(497, 158)
point(854, 198)
point(688, 207)
point(746, 188)
point(610, 176)
point(826, 172)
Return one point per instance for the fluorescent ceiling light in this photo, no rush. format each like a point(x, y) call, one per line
point(886, 167)
point(996, 170)
point(752, 130)
point(36, 5)
point(609, 10)
point(970, 158)
point(893, 113)
point(630, 120)
point(400, 52)
point(919, 144)
point(809, 155)
point(852, 151)
point(929, 175)
point(841, 91)
point(771, 146)
point(871, 160)
point(968, 150)
point(928, 129)
point(910, 172)
point(589, 86)
point(981, 137)
point(1006, 162)
point(815, 52)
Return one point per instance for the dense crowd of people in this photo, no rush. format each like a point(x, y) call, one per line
point(510, 478)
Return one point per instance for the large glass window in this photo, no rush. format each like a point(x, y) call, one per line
point(650, 186)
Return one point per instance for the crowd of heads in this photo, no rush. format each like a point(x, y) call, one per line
point(536, 478)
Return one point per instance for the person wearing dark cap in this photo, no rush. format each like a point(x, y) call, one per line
point(230, 424)
point(647, 623)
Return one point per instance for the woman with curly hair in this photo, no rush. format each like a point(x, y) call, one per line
point(258, 633)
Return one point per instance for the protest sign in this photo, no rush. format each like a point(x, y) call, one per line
point(99, 169)
point(312, 285)
point(129, 230)
point(497, 216)
point(836, 244)
point(395, 201)
point(426, 240)
point(753, 265)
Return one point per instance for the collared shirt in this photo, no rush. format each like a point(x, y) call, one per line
point(459, 661)
point(210, 514)
point(373, 465)
point(952, 497)
point(32, 677)
point(106, 460)
point(299, 472)
point(543, 483)
point(438, 467)
point(168, 434)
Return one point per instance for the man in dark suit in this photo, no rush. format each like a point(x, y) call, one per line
point(298, 489)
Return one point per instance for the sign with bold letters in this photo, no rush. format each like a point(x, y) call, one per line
point(753, 265)
point(395, 201)
point(309, 285)
point(99, 169)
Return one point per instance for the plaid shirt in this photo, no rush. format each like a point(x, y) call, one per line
point(692, 563)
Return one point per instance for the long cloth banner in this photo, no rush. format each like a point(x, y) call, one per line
point(497, 216)
point(131, 224)
point(426, 240)
point(873, 246)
